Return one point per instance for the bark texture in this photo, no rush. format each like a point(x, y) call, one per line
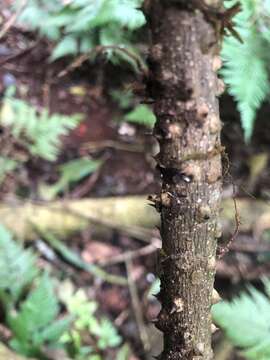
point(184, 87)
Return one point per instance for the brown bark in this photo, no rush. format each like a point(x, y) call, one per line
point(184, 87)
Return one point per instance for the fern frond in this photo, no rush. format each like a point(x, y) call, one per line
point(246, 67)
point(39, 131)
point(17, 267)
point(108, 336)
point(82, 25)
point(245, 321)
point(34, 323)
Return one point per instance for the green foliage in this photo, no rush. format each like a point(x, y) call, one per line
point(154, 288)
point(124, 99)
point(34, 324)
point(39, 131)
point(123, 353)
point(84, 311)
point(246, 69)
point(7, 165)
point(245, 321)
point(70, 172)
point(17, 268)
point(79, 26)
point(32, 310)
point(142, 115)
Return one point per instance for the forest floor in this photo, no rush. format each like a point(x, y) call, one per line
point(128, 169)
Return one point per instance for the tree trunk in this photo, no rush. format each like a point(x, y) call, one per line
point(184, 86)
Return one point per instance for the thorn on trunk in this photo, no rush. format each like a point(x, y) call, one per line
point(215, 297)
point(214, 329)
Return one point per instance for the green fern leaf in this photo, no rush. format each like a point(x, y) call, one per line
point(142, 115)
point(70, 172)
point(86, 23)
point(30, 319)
point(246, 323)
point(53, 332)
point(246, 67)
point(42, 132)
point(17, 267)
point(34, 323)
point(127, 14)
point(107, 334)
point(67, 46)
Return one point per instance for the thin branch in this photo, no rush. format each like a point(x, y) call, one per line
point(129, 255)
point(100, 49)
point(137, 308)
point(19, 54)
point(223, 250)
point(75, 260)
point(13, 18)
point(97, 145)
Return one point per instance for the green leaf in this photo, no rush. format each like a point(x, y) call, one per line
point(42, 132)
point(64, 17)
point(246, 323)
point(32, 15)
point(84, 310)
point(127, 14)
point(107, 334)
point(67, 46)
point(122, 98)
point(70, 172)
point(54, 331)
point(81, 25)
point(95, 357)
point(7, 165)
point(79, 305)
point(154, 288)
point(246, 66)
point(17, 267)
point(30, 319)
point(142, 115)
point(77, 169)
point(112, 35)
point(123, 353)
point(34, 323)
point(86, 44)
point(20, 348)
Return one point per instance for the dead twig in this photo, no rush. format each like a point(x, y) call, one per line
point(137, 308)
point(97, 145)
point(101, 49)
point(221, 251)
point(13, 18)
point(130, 255)
point(86, 187)
point(19, 54)
point(75, 260)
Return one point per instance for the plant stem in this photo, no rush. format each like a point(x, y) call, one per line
point(184, 86)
